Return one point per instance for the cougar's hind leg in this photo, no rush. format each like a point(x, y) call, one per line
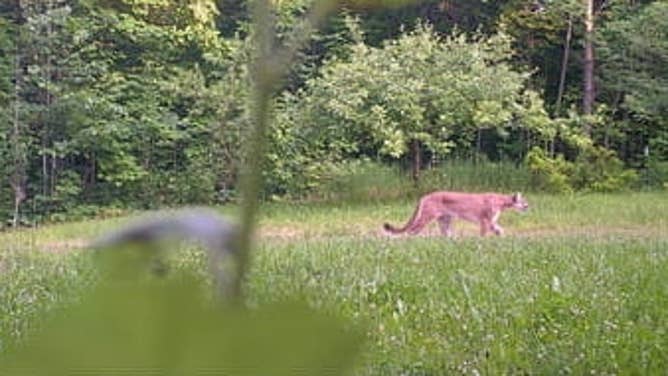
point(445, 222)
point(419, 223)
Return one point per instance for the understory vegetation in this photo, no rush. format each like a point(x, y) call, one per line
point(577, 286)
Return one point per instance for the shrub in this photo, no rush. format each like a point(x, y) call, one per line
point(549, 174)
point(656, 173)
point(595, 169)
point(598, 169)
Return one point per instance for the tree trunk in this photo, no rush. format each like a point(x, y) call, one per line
point(48, 99)
point(45, 165)
point(478, 146)
point(19, 197)
point(415, 161)
point(564, 65)
point(17, 177)
point(589, 90)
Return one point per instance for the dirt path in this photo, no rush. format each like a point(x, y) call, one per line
point(285, 233)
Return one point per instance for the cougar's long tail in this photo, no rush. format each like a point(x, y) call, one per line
point(411, 222)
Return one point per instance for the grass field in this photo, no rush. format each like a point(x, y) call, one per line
point(579, 284)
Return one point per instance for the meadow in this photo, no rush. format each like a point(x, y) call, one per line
point(579, 284)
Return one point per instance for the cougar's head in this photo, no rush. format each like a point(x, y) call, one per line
point(519, 203)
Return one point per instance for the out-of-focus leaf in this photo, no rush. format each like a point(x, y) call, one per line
point(167, 327)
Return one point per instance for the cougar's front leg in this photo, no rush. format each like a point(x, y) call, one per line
point(495, 226)
point(484, 227)
point(498, 230)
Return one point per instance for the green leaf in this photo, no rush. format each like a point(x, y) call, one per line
point(167, 327)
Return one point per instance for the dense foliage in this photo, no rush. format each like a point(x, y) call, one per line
point(143, 103)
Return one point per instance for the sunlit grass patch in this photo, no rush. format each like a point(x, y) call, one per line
point(32, 284)
point(515, 305)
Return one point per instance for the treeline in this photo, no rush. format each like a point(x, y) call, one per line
point(143, 103)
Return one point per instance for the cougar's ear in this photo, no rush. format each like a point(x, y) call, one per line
point(517, 196)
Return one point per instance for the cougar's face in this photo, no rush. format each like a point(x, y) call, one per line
point(519, 203)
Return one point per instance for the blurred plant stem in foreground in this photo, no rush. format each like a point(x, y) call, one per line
point(270, 65)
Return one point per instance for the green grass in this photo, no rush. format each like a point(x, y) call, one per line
point(538, 307)
point(364, 182)
point(579, 285)
point(483, 176)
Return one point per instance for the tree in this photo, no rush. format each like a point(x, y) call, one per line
point(416, 92)
point(106, 100)
point(634, 73)
point(9, 126)
point(589, 91)
point(15, 151)
point(137, 118)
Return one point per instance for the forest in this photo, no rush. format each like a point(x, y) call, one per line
point(136, 104)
